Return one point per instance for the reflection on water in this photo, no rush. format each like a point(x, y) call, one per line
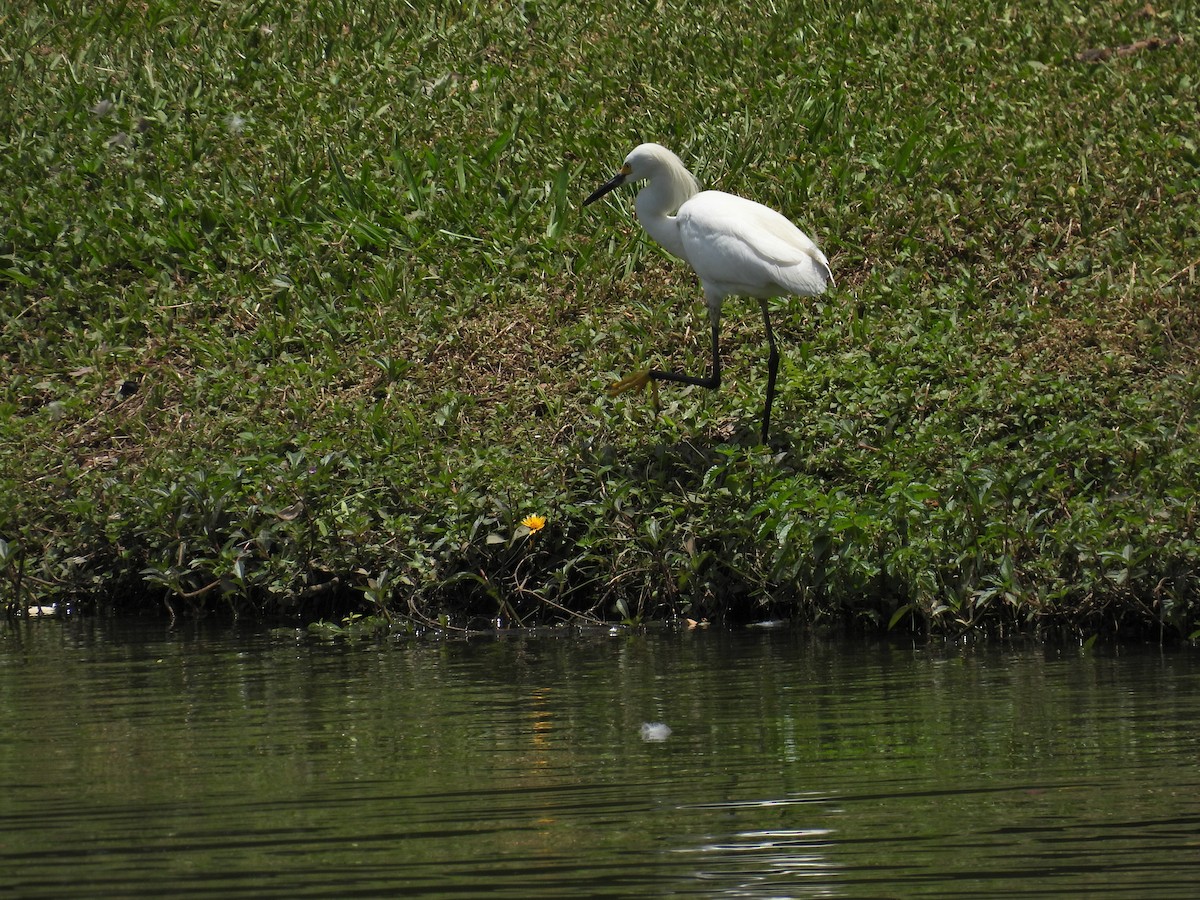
point(138, 762)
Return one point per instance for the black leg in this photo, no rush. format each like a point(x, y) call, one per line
point(712, 382)
point(772, 369)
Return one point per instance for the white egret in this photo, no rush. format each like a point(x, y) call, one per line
point(736, 247)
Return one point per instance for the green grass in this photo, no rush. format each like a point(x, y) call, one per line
point(300, 313)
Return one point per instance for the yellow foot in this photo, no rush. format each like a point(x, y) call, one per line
point(632, 382)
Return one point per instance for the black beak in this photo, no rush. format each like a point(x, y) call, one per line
point(612, 184)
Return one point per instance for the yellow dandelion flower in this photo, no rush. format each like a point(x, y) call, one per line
point(534, 523)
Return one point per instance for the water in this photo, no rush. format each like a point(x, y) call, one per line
point(137, 762)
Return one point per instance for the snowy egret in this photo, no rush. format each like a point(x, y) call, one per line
point(736, 247)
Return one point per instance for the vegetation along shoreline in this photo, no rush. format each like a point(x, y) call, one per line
point(300, 315)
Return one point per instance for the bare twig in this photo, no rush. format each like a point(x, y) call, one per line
point(1103, 54)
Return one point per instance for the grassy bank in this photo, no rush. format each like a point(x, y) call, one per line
point(300, 312)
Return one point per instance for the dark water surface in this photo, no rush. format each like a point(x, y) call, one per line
point(139, 762)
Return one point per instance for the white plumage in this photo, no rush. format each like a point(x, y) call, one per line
point(735, 246)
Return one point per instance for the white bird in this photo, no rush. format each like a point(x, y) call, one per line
point(736, 247)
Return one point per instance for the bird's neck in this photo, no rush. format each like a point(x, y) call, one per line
point(668, 188)
point(655, 208)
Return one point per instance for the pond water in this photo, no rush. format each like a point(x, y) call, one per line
point(141, 762)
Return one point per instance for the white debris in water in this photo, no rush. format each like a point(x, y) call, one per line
point(655, 731)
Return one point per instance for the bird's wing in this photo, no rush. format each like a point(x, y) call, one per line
point(741, 247)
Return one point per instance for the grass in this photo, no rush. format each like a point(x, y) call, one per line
point(300, 313)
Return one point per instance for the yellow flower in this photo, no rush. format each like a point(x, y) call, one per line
point(534, 523)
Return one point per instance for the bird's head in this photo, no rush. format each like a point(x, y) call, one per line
point(646, 162)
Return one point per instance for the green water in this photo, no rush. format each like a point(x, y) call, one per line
point(140, 762)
